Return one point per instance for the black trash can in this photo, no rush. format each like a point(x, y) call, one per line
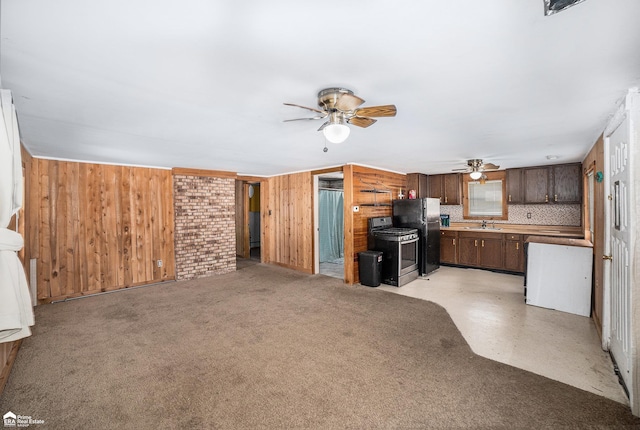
point(370, 267)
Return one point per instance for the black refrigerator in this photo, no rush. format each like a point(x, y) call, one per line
point(423, 214)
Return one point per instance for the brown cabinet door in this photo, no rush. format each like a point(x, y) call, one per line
point(418, 182)
point(413, 182)
point(448, 247)
point(423, 186)
point(452, 189)
point(491, 253)
point(536, 184)
point(468, 251)
point(514, 186)
point(435, 187)
point(514, 256)
point(567, 183)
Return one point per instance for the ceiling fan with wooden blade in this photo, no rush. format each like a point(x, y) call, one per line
point(476, 166)
point(324, 113)
point(341, 106)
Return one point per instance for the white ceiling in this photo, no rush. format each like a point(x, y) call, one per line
point(200, 83)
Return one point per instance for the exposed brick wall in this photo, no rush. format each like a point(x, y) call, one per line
point(205, 238)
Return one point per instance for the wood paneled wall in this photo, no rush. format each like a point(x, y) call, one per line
point(357, 179)
point(594, 161)
point(99, 227)
point(287, 221)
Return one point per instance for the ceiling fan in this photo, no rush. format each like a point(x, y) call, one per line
point(341, 106)
point(476, 166)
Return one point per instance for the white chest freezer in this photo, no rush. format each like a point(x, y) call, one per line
point(559, 273)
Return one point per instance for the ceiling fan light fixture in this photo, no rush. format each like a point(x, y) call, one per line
point(475, 175)
point(336, 133)
point(341, 106)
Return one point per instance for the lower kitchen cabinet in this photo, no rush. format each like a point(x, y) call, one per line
point(514, 253)
point(491, 253)
point(448, 247)
point(486, 250)
point(481, 250)
point(468, 251)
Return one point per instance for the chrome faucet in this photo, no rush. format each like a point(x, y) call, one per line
point(484, 224)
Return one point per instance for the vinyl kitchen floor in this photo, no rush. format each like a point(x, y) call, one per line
point(489, 310)
point(335, 270)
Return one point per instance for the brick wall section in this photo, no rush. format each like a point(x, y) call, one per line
point(205, 238)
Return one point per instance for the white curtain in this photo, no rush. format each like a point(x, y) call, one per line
point(16, 313)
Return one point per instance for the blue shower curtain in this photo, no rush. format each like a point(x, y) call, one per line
point(331, 220)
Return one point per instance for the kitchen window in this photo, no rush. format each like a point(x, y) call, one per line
point(484, 199)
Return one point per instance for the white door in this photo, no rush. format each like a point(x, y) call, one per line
point(619, 228)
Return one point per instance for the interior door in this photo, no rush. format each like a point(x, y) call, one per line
point(620, 273)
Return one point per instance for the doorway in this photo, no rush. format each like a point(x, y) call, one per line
point(253, 191)
point(329, 221)
point(248, 228)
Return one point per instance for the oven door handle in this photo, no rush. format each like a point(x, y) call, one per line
point(406, 242)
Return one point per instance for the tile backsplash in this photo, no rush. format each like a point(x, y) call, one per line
point(569, 215)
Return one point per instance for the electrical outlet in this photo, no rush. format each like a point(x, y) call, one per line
point(528, 215)
point(159, 263)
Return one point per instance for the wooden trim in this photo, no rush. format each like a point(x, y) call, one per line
point(203, 173)
point(268, 238)
point(594, 161)
point(491, 176)
point(349, 265)
point(328, 170)
point(6, 367)
point(589, 169)
point(102, 290)
point(246, 230)
point(251, 179)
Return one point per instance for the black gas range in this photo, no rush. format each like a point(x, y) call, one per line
point(399, 247)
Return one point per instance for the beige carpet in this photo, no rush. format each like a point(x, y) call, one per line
point(267, 347)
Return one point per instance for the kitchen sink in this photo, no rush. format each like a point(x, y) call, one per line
point(482, 228)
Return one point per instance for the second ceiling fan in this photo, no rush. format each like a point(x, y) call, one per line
point(476, 166)
point(340, 106)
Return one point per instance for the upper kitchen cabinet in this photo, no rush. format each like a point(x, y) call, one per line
point(535, 184)
point(567, 184)
point(447, 188)
point(418, 182)
point(561, 183)
point(514, 186)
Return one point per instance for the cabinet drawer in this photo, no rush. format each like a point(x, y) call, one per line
point(447, 233)
point(480, 235)
point(510, 236)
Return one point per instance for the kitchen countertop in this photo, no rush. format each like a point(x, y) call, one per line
point(568, 241)
point(536, 230)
